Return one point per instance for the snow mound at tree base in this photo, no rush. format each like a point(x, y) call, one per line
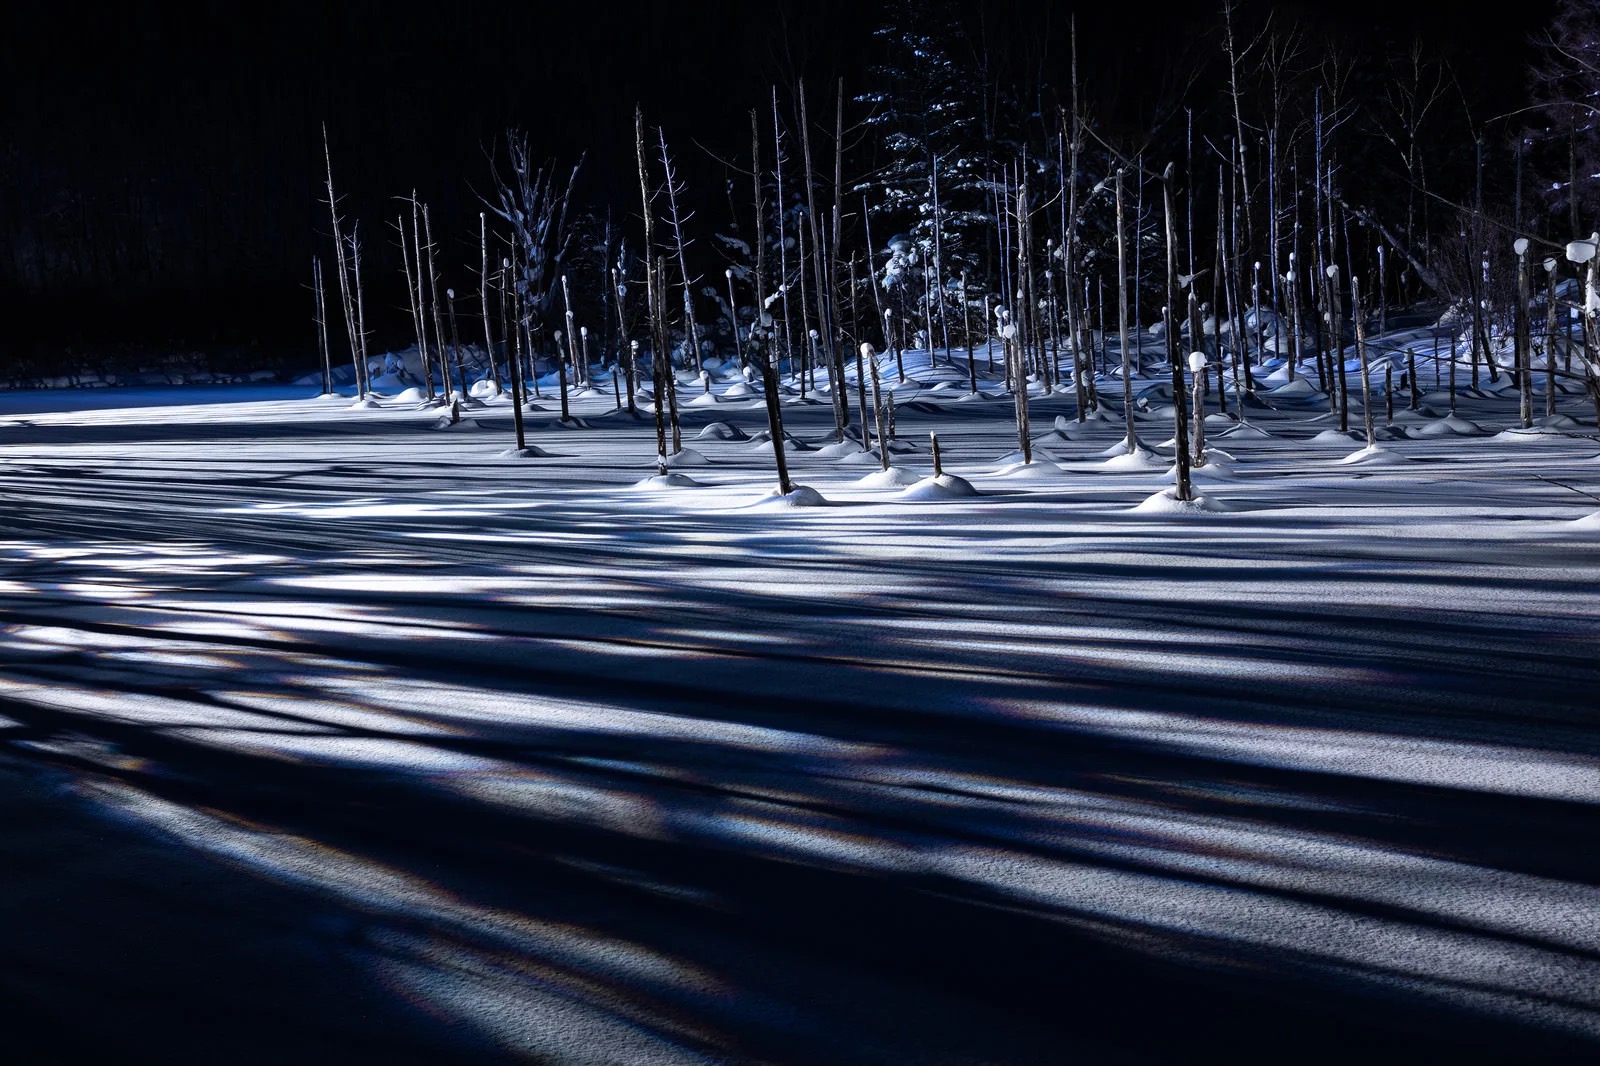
point(366, 404)
point(1121, 448)
point(722, 431)
point(1138, 462)
point(1556, 422)
point(943, 487)
point(1299, 387)
point(688, 457)
point(861, 458)
point(529, 452)
point(1335, 436)
point(800, 496)
point(896, 477)
point(705, 399)
point(1450, 425)
point(1038, 469)
point(1518, 435)
point(1166, 502)
point(1588, 522)
point(839, 449)
point(761, 444)
point(666, 481)
point(1215, 470)
point(1376, 455)
point(1245, 429)
point(411, 395)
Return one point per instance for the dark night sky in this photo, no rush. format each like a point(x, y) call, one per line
point(204, 128)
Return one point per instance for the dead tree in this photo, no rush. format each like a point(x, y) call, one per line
point(1169, 318)
point(535, 206)
point(411, 298)
point(676, 221)
point(483, 295)
point(322, 327)
point(1131, 441)
point(760, 331)
point(1358, 313)
point(346, 298)
point(658, 340)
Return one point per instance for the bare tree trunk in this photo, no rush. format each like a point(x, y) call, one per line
point(455, 342)
point(877, 405)
point(513, 363)
point(820, 274)
point(1524, 338)
point(339, 264)
point(966, 335)
point(680, 247)
point(362, 381)
point(1179, 403)
point(768, 367)
point(626, 348)
point(433, 292)
point(322, 327)
point(422, 305)
point(1358, 313)
point(1550, 344)
point(411, 293)
point(860, 346)
point(483, 297)
point(570, 353)
point(1131, 441)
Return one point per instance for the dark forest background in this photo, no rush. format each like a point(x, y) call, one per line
point(161, 169)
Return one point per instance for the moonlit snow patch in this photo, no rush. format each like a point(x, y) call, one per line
point(943, 487)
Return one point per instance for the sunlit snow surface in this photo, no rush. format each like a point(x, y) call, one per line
point(547, 760)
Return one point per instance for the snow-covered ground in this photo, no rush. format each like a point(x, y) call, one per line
point(338, 734)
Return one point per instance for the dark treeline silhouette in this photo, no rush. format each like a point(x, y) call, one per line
point(160, 171)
